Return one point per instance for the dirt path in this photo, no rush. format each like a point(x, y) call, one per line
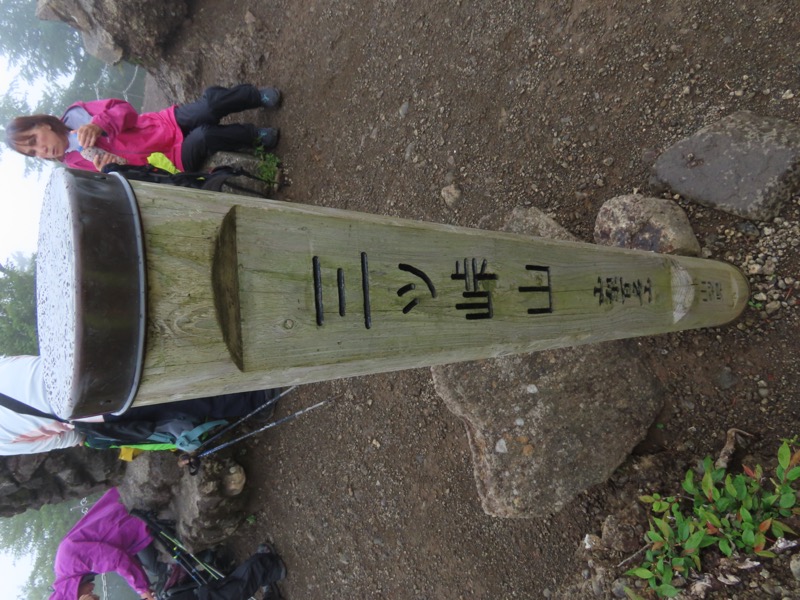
point(560, 105)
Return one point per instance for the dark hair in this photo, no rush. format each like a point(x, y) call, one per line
point(18, 130)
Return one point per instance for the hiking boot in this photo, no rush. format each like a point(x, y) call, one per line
point(268, 137)
point(282, 567)
point(270, 97)
point(271, 591)
point(267, 548)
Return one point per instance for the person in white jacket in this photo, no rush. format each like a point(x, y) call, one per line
point(21, 378)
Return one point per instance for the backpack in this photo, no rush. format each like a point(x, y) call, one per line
point(212, 181)
point(169, 434)
point(166, 434)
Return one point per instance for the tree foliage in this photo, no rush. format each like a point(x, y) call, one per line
point(48, 57)
point(50, 54)
point(37, 533)
point(18, 307)
point(40, 49)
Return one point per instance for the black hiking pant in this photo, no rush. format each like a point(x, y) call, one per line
point(257, 571)
point(202, 133)
point(198, 410)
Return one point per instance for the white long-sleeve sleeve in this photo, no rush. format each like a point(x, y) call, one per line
point(21, 379)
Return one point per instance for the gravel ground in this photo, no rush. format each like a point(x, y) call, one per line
point(559, 105)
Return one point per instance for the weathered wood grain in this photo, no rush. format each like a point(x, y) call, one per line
point(307, 293)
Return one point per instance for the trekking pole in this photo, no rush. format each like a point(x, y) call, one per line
point(189, 561)
point(192, 460)
point(226, 429)
point(176, 549)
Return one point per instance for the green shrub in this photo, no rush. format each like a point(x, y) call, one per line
point(268, 166)
point(733, 513)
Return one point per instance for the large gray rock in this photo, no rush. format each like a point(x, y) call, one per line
point(114, 30)
point(544, 427)
point(655, 224)
point(207, 508)
point(32, 480)
point(250, 163)
point(744, 164)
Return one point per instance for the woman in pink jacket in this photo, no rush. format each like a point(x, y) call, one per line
point(91, 135)
point(106, 539)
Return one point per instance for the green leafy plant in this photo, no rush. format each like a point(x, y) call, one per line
point(734, 513)
point(268, 166)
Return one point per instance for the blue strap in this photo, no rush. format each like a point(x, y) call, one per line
point(190, 440)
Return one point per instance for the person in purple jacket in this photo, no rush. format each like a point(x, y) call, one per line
point(91, 135)
point(107, 538)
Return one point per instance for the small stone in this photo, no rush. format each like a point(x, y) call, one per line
point(233, 482)
point(794, 565)
point(727, 379)
point(451, 195)
point(747, 228)
point(527, 450)
point(501, 447)
point(591, 541)
point(645, 223)
point(618, 587)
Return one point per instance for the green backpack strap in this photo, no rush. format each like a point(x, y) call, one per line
point(186, 442)
point(150, 447)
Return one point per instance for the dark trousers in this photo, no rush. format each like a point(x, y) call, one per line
point(198, 410)
point(257, 571)
point(155, 569)
point(202, 133)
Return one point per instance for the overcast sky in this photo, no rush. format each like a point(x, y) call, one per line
point(14, 574)
point(20, 196)
point(20, 203)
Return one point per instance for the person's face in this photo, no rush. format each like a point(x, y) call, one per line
point(44, 143)
point(86, 588)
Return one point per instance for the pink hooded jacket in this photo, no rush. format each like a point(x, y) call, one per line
point(131, 135)
point(106, 539)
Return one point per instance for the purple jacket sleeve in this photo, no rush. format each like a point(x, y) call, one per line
point(106, 557)
point(112, 115)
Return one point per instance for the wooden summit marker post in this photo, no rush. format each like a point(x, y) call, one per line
point(245, 293)
point(306, 293)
